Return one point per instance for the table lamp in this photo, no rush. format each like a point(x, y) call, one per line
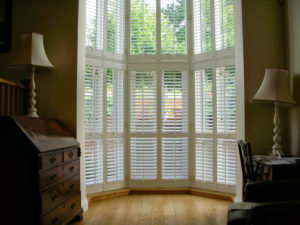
point(275, 88)
point(31, 58)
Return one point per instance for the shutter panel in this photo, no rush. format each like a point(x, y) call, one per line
point(226, 100)
point(93, 161)
point(204, 101)
point(114, 159)
point(115, 26)
point(93, 125)
point(224, 24)
point(143, 27)
point(143, 101)
point(174, 101)
point(94, 23)
point(174, 158)
point(226, 161)
point(143, 158)
point(114, 101)
point(202, 26)
point(173, 27)
point(204, 159)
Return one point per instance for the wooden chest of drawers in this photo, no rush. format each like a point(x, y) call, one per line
point(42, 171)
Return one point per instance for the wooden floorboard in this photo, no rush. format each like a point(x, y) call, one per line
point(156, 209)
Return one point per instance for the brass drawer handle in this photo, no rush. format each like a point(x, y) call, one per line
point(71, 155)
point(54, 197)
point(71, 186)
point(52, 160)
point(55, 220)
point(71, 169)
point(53, 176)
point(72, 206)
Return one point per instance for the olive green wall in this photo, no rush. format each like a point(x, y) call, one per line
point(57, 20)
point(264, 46)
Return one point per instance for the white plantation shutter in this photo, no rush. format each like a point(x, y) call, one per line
point(114, 125)
point(114, 101)
point(204, 159)
point(114, 159)
point(142, 15)
point(224, 24)
point(174, 101)
point(143, 101)
point(143, 158)
point(204, 101)
point(202, 26)
point(93, 161)
point(94, 23)
point(115, 26)
point(226, 161)
point(174, 158)
point(226, 100)
point(173, 27)
point(93, 125)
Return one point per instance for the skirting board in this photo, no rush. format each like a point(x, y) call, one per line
point(131, 191)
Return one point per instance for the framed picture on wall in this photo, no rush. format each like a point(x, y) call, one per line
point(5, 25)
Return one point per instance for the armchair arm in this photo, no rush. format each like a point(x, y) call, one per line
point(275, 213)
point(281, 190)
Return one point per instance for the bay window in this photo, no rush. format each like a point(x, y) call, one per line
point(160, 94)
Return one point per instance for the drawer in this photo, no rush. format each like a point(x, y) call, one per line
point(52, 197)
point(71, 154)
point(52, 176)
point(51, 160)
point(63, 212)
point(71, 169)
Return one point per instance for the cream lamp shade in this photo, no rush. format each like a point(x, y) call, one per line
point(275, 88)
point(31, 57)
point(32, 52)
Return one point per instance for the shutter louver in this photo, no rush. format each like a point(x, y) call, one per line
point(94, 23)
point(202, 26)
point(173, 27)
point(226, 161)
point(114, 159)
point(143, 27)
point(93, 125)
point(93, 161)
point(174, 158)
point(204, 159)
point(115, 26)
point(174, 101)
point(226, 100)
point(143, 101)
point(224, 24)
point(204, 101)
point(114, 101)
point(143, 158)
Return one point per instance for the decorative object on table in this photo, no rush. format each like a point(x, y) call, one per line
point(32, 58)
point(275, 88)
point(5, 25)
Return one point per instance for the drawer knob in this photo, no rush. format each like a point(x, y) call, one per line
point(52, 160)
point(53, 176)
point(71, 155)
point(71, 186)
point(55, 220)
point(54, 197)
point(71, 168)
point(72, 206)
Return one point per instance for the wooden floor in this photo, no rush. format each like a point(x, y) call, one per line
point(176, 209)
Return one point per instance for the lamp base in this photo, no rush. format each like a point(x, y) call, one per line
point(31, 98)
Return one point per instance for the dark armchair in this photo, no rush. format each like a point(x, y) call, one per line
point(272, 202)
